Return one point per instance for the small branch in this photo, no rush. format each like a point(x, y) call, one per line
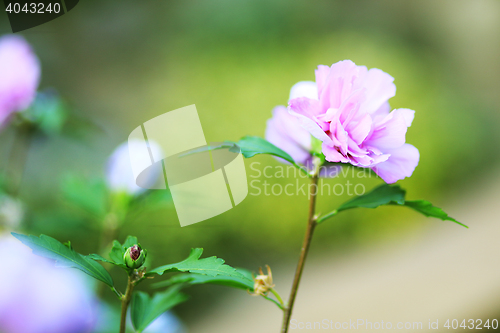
point(117, 293)
point(287, 313)
point(125, 302)
point(275, 302)
point(327, 216)
point(108, 233)
point(302, 169)
point(278, 297)
point(18, 157)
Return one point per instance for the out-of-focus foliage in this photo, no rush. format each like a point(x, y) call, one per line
point(121, 64)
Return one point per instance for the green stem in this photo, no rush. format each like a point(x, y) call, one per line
point(327, 216)
point(125, 302)
point(275, 302)
point(18, 157)
point(311, 225)
point(117, 293)
point(278, 297)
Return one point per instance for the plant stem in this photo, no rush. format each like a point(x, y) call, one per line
point(311, 224)
point(278, 297)
point(18, 157)
point(125, 302)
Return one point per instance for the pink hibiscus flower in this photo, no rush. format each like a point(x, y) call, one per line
point(352, 118)
point(19, 76)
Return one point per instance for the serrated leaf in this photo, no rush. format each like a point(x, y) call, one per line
point(428, 209)
point(391, 195)
point(245, 282)
point(211, 266)
point(51, 248)
point(144, 309)
point(381, 195)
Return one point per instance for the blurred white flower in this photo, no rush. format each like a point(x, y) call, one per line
point(109, 319)
point(11, 212)
point(37, 297)
point(119, 174)
point(19, 75)
point(307, 89)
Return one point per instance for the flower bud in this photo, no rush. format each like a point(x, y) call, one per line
point(135, 256)
point(263, 283)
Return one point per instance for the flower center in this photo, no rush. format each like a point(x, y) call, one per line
point(135, 252)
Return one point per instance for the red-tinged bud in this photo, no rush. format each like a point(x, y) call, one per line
point(135, 256)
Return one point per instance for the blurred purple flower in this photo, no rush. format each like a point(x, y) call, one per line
point(351, 117)
point(37, 297)
point(19, 76)
point(119, 174)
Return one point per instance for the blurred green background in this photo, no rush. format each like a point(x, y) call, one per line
point(120, 63)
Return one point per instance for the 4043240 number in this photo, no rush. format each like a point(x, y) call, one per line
point(33, 8)
point(471, 324)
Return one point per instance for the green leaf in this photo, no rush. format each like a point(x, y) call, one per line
point(149, 200)
point(211, 266)
point(253, 145)
point(381, 195)
point(391, 195)
point(89, 195)
point(426, 208)
point(117, 252)
point(97, 257)
point(79, 127)
point(48, 112)
point(130, 241)
point(144, 309)
point(245, 282)
point(64, 256)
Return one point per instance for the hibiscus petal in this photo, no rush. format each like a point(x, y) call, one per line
point(333, 155)
point(338, 85)
point(350, 107)
point(360, 131)
point(355, 150)
point(285, 132)
point(321, 75)
point(379, 86)
point(306, 111)
point(361, 161)
point(382, 111)
point(401, 164)
point(329, 171)
point(408, 115)
point(390, 133)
